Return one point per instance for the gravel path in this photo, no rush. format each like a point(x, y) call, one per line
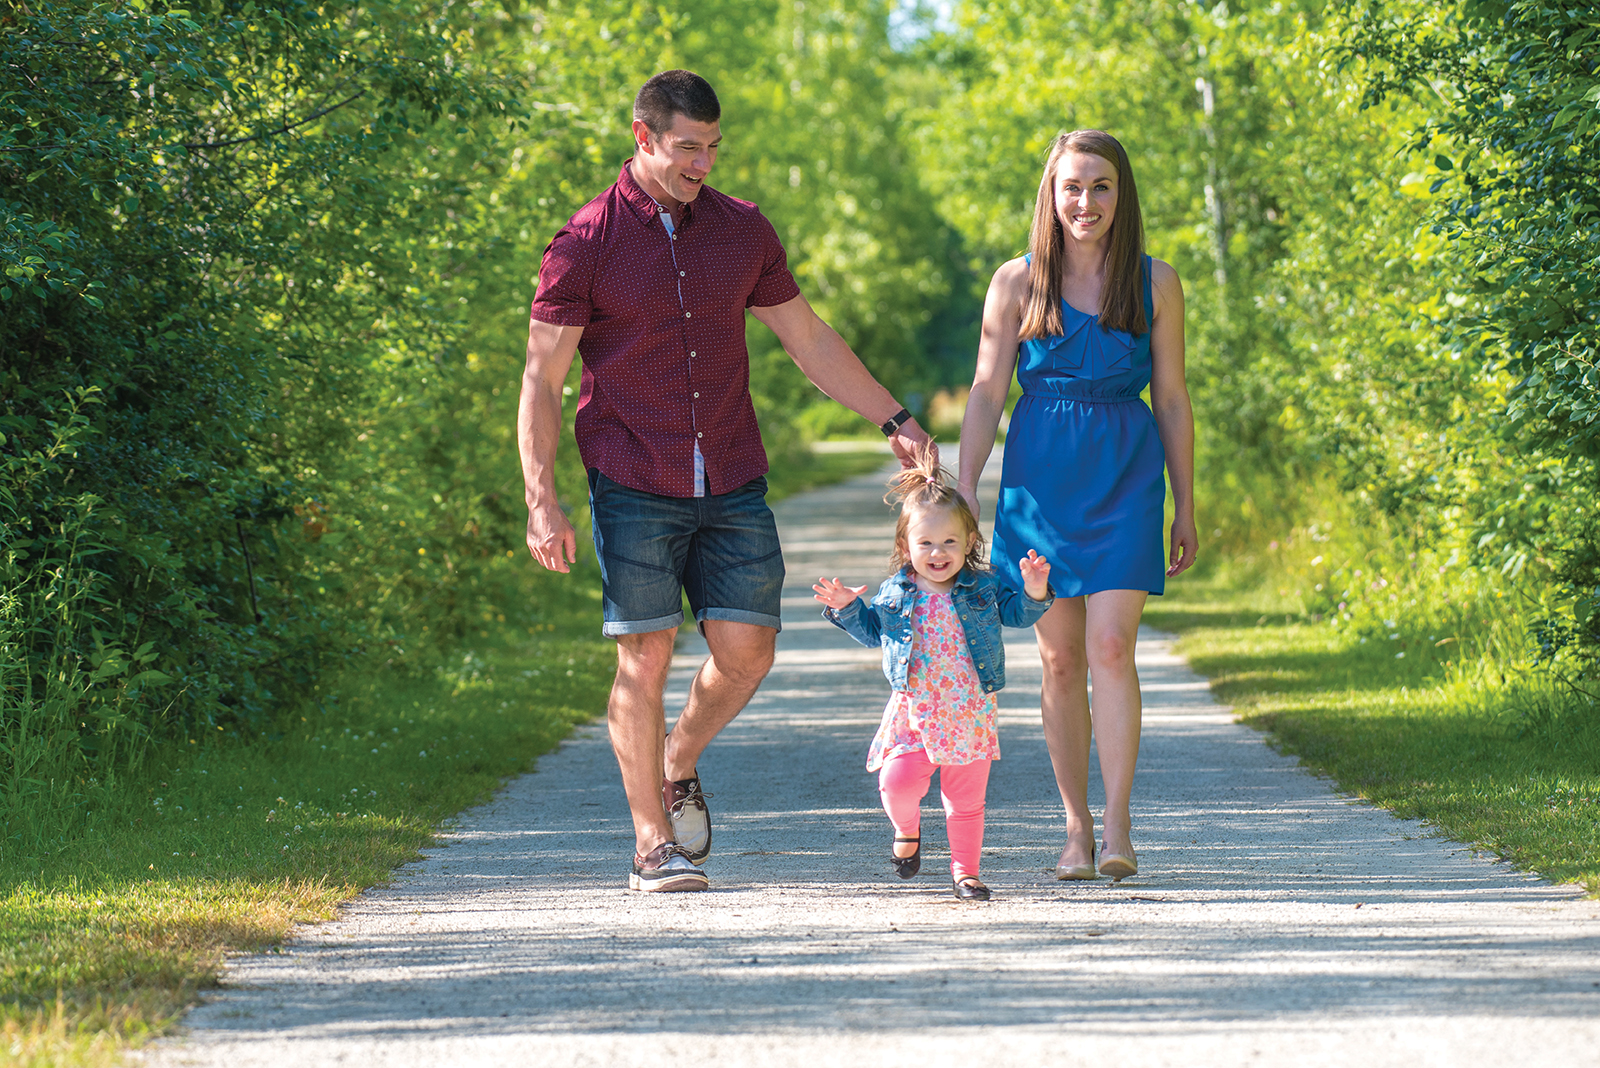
point(1274, 921)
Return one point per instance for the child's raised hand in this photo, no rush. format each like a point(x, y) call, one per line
point(836, 594)
point(1035, 575)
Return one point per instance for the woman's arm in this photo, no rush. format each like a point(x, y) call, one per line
point(1169, 400)
point(997, 359)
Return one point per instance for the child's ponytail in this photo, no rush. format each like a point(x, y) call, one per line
point(924, 486)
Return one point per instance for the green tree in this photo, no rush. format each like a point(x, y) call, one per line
point(176, 193)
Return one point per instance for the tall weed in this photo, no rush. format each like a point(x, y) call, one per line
point(68, 734)
point(1470, 624)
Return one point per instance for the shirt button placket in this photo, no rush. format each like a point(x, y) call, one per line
point(694, 417)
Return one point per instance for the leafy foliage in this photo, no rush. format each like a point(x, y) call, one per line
point(176, 194)
point(268, 272)
point(1517, 150)
point(1383, 215)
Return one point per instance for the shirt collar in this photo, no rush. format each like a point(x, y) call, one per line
point(639, 200)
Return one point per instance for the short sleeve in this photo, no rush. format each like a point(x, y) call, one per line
point(566, 279)
point(776, 285)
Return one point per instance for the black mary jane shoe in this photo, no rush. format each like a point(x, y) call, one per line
point(969, 888)
point(906, 867)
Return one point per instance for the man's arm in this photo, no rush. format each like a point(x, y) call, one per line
point(832, 367)
point(551, 538)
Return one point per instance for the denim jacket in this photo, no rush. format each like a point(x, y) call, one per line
point(983, 603)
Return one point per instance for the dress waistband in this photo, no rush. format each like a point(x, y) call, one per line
point(1088, 398)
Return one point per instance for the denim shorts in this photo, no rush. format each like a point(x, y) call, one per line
point(722, 551)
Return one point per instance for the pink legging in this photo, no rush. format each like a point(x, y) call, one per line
point(903, 782)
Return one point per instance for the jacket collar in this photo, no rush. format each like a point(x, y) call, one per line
point(908, 580)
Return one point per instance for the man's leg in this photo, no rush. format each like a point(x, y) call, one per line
point(733, 578)
point(741, 656)
point(642, 540)
point(637, 723)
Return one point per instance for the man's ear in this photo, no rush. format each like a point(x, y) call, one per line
point(642, 137)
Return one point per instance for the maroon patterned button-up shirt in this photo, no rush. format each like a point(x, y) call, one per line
point(664, 360)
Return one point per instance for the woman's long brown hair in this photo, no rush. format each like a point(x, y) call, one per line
point(1122, 294)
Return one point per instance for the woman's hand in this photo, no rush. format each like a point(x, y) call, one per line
point(835, 594)
point(1035, 575)
point(970, 495)
point(1185, 543)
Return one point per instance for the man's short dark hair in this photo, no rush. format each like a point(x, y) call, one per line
point(675, 92)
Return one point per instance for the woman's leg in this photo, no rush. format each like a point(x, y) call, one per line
point(1064, 709)
point(1111, 628)
point(962, 788)
point(902, 783)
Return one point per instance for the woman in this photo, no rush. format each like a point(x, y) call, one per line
point(1095, 320)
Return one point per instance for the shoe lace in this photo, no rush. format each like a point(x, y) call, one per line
point(691, 794)
point(678, 851)
point(668, 850)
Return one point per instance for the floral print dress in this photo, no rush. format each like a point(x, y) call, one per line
point(943, 709)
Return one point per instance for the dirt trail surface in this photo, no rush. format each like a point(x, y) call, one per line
point(1273, 921)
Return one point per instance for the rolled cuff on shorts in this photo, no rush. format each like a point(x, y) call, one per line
point(736, 615)
point(721, 552)
point(619, 628)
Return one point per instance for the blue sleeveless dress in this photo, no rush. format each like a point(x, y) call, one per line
point(1083, 479)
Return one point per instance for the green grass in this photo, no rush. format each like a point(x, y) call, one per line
point(1508, 765)
point(105, 938)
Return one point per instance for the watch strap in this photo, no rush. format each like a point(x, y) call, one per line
point(895, 422)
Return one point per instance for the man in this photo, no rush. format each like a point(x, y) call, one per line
point(651, 279)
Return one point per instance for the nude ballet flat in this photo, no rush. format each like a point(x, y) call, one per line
point(1117, 866)
point(1069, 872)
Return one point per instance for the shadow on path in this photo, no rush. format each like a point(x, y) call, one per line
point(1273, 919)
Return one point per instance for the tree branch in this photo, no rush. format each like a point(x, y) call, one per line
point(282, 129)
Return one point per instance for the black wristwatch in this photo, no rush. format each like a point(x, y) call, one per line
point(895, 422)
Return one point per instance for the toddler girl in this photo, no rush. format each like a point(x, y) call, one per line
point(938, 618)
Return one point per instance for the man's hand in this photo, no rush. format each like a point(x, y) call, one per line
point(835, 594)
point(909, 442)
point(1035, 575)
point(551, 539)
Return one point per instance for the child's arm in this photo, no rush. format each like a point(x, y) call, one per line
point(1023, 609)
point(846, 609)
point(835, 594)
